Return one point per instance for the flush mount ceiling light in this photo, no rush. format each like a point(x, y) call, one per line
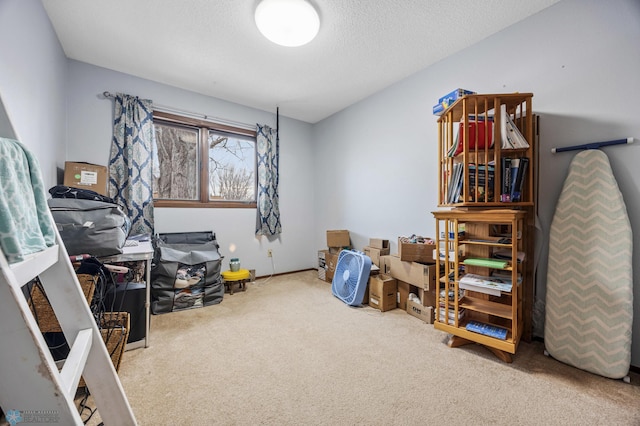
point(288, 23)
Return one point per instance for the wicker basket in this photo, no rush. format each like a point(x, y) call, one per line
point(42, 310)
point(114, 326)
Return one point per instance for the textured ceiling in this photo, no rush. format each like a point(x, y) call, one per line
point(213, 47)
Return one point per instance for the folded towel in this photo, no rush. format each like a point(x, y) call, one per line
point(26, 226)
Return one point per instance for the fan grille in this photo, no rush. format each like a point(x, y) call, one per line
point(352, 269)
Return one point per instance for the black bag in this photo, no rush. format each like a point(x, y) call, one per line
point(90, 227)
point(62, 191)
point(186, 272)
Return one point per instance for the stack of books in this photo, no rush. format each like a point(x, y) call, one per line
point(451, 314)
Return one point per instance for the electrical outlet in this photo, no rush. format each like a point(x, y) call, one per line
point(269, 253)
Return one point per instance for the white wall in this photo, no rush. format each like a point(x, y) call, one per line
point(581, 60)
point(90, 118)
point(32, 83)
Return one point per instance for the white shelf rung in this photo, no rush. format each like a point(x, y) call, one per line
point(74, 364)
point(34, 264)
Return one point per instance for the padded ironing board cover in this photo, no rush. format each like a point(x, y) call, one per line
point(589, 300)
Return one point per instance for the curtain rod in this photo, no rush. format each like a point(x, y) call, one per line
point(594, 145)
point(163, 108)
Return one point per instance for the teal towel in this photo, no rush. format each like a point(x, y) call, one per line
point(26, 226)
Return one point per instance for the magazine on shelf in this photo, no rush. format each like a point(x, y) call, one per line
point(487, 282)
point(455, 183)
point(512, 138)
point(451, 315)
point(506, 276)
point(479, 289)
point(506, 255)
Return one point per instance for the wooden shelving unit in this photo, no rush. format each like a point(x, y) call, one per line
point(485, 233)
point(475, 124)
point(479, 150)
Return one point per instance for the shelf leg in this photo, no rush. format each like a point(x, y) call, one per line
point(504, 356)
point(457, 341)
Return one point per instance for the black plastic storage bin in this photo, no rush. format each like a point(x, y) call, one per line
point(185, 272)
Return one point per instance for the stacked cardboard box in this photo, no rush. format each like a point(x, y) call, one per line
point(412, 277)
point(382, 292)
point(410, 251)
point(86, 176)
point(328, 258)
point(377, 247)
point(338, 240)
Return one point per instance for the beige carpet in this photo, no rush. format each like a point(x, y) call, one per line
point(287, 352)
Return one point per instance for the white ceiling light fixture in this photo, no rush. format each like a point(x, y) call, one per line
point(288, 23)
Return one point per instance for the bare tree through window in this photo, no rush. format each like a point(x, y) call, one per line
point(178, 163)
point(231, 168)
point(200, 165)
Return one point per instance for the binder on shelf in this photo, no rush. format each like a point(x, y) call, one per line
point(516, 191)
point(505, 192)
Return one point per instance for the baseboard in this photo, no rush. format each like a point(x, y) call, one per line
point(286, 273)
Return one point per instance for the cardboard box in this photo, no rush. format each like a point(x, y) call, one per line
point(417, 274)
point(322, 265)
point(415, 252)
point(331, 260)
point(453, 96)
point(452, 254)
point(338, 238)
point(375, 271)
point(322, 274)
point(385, 264)
point(382, 292)
point(427, 297)
point(327, 265)
point(375, 253)
point(379, 243)
point(404, 289)
point(425, 313)
point(86, 176)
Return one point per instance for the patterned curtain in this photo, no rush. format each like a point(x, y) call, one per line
point(268, 211)
point(130, 163)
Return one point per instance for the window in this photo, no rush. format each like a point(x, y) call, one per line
point(203, 164)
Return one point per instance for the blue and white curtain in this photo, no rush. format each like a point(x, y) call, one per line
point(268, 211)
point(131, 161)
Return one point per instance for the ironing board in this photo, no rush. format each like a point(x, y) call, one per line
point(589, 299)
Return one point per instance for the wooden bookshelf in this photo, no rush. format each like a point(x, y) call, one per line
point(482, 230)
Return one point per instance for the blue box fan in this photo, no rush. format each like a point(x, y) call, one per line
point(351, 276)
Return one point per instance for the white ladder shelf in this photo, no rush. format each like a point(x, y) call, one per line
point(29, 378)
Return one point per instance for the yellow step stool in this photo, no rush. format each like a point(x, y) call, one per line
point(239, 277)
